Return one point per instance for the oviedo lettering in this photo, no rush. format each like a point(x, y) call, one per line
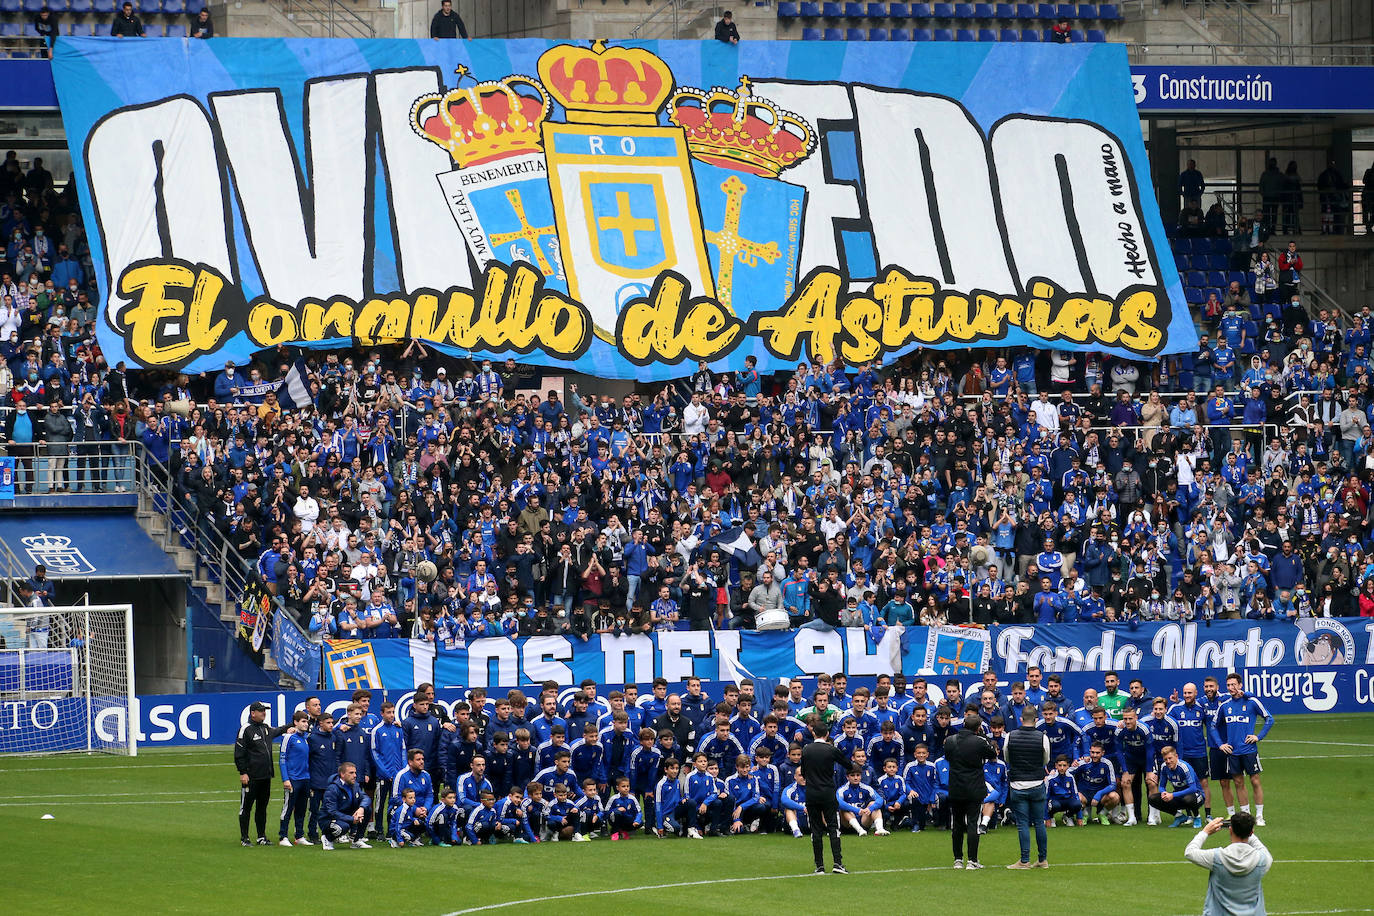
point(603, 205)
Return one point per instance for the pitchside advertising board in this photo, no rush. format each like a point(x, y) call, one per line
point(622, 210)
point(170, 721)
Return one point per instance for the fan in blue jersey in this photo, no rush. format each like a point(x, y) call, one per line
point(407, 824)
point(1061, 795)
point(860, 806)
point(1240, 725)
point(921, 781)
point(446, 820)
point(1096, 778)
point(1183, 795)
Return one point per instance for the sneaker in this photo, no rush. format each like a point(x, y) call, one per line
point(394, 844)
point(972, 866)
point(363, 844)
point(615, 836)
point(264, 841)
point(839, 870)
point(442, 843)
point(958, 863)
point(302, 841)
point(521, 841)
point(1052, 823)
point(1020, 866)
point(820, 870)
point(982, 829)
point(1043, 863)
point(326, 844)
point(796, 834)
point(881, 833)
point(1182, 820)
point(692, 832)
point(415, 843)
point(284, 842)
point(1197, 823)
point(245, 842)
point(1102, 819)
point(579, 838)
point(1259, 820)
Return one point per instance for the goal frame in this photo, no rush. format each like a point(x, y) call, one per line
point(83, 655)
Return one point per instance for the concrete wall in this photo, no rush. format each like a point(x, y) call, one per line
point(1333, 21)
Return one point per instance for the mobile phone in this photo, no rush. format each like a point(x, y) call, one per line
point(1226, 823)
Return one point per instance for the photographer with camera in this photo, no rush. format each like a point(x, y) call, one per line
point(1236, 885)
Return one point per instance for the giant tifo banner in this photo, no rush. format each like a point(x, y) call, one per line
point(622, 211)
point(215, 718)
point(933, 651)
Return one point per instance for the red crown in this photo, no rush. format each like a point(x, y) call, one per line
point(741, 131)
point(491, 120)
point(601, 85)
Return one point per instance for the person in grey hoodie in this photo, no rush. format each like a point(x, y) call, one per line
point(1236, 885)
point(766, 596)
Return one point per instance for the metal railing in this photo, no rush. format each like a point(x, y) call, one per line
point(1235, 23)
point(77, 468)
point(1314, 55)
point(664, 22)
point(330, 18)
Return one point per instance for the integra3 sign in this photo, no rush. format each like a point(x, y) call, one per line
point(597, 208)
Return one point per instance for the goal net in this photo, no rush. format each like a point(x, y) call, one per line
point(66, 680)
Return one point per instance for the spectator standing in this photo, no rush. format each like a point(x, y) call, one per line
point(1332, 189)
point(447, 23)
point(126, 24)
point(1292, 200)
point(1191, 184)
point(725, 29)
point(1235, 886)
point(1271, 192)
point(1028, 754)
point(45, 25)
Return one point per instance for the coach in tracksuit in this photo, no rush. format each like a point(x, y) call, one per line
point(324, 767)
point(253, 759)
point(295, 779)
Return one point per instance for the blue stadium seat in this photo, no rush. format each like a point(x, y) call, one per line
point(34, 6)
point(963, 11)
point(9, 6)
point(983, 11)
point(1181, 246)
point(787, 10)
point(899, 35)
point(1066, 11)
point(11, 29)
point(899, 10)
point(811, 34)
point(1030, 35)
point(856, 35)
point(810, 9)
point(944, 35)
point(1045, 11)
point(101, 29)
point(1087, 11)
point(987, 34)
point(834, 34)
point(1238, 276)
point(1025, 11)
point(1108, 12)
point(1005, 11)
point(104, 6)
point(965, 35)
point(1216, 278)
point(81, 29)
point(151, 7)
point(920, 11)
point(176, 7)
point(877, 35)
point(80, 6)
point(854, 11)
point(832, 10)
point(920, 35)
point(1193, 295)
point(1010, 35)
point(942, 10)
point(177, 30)
point(1217, 262)
point(877, 11)
point(1096, 35)
point(1076, 36)
point(1195, 278)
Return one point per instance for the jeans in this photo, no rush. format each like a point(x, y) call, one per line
point(632, 588)
point(1028, 805)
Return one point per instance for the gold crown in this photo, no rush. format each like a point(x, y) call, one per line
point(486, 121)
point(742, 131)
point(611, 86)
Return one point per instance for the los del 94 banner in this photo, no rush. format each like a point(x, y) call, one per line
point(620, 210)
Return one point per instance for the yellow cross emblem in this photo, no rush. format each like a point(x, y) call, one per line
point(626, 223)
point(732, 245)
point(957, 661)
point(526, 231)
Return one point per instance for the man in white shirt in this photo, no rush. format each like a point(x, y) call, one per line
point(1046, 414)
point(307, 510)
point(695, 416)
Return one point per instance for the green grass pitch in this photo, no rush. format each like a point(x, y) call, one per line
point(159, 833)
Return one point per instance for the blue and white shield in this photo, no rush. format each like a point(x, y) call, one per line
point(506, 214)
point(753, 236)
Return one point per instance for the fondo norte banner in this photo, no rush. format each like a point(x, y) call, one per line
point(623, 211)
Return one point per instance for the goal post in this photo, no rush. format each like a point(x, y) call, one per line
point(67, 680)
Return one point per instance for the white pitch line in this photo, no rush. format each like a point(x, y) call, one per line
point(1315, 756)
point(880, 871)
point(4, 798)
point(113, 766)
point(1268, 741)
point(165, 801)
